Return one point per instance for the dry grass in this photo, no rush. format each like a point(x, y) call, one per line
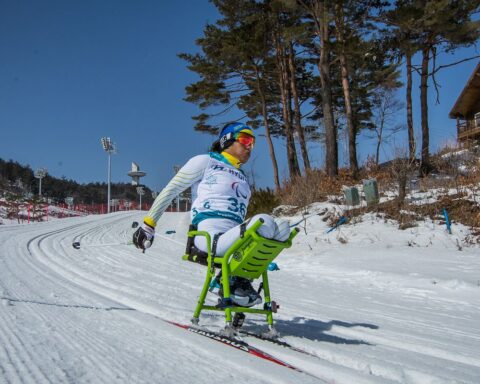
point(449, 175)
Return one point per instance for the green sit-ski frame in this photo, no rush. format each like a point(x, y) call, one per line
point(248, 257)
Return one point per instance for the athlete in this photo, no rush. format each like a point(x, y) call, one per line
point(220, 196)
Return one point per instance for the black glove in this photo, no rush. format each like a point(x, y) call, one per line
point(143, 237)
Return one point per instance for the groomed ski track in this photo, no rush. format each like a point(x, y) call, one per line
point(92, 315)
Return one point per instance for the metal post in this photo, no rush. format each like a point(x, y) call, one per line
point(176, 168)
point(110, 148)
point(109, 175)
point(140, 192)
point(40, 174)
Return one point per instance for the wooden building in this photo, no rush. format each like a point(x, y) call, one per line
point(467, 110)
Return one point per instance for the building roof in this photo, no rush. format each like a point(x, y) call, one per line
point(469, 100)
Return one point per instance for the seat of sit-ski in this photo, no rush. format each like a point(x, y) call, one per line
point(251, 255)
point(248, 257)
point(254, 255)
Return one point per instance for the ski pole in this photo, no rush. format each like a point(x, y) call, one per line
point(341, 221)
point(172, 240)
point(77, 244)
point(304, 219)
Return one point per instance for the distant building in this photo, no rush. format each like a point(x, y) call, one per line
point(136, 174)
point(467, 110)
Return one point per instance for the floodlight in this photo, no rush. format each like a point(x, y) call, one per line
point(110, 148)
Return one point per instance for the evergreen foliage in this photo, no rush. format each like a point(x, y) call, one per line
point(307, 69)
point(431, 27)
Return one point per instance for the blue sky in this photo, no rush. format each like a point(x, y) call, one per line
point(74, 71)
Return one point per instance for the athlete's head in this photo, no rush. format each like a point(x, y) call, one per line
point(231, 132)
point(236, 139)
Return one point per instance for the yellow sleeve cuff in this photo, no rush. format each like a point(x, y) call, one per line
point(149, 221)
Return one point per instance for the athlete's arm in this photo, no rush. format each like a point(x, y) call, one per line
point(190, 173)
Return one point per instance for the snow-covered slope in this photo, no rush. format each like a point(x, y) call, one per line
point(372, 303)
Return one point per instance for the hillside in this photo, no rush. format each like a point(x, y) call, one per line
point(19, 179)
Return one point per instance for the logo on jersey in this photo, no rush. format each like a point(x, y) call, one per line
point(211, 180)
point(238, 192)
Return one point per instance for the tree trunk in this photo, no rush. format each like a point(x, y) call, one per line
point(380, 133)
point(296, 103)
point(425, 161)
point(377, 152)
point(266, 124)
point(352, 132)
point(293, 167)
point(321, 22)
point(411, 134)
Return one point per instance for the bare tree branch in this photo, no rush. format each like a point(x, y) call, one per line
point(435, 83)
point(452, 64)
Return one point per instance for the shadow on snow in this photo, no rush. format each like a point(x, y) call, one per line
point(314, 330)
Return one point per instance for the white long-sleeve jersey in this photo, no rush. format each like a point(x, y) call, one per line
point(219, 190)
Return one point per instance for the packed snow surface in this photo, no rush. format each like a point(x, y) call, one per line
point(372, 303)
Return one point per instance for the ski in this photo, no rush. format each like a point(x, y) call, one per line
point(277, 342)
point(235, 343)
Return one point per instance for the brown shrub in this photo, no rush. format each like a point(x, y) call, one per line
point(315, 186)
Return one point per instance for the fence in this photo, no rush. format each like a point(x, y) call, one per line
point(23, 211)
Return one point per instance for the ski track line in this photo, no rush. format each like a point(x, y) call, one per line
point(405, 311)
point(38, 313)
point(385, 364)
point(66, 325)
point(55, 269)
point(134, 286)
point(364, 362)
point(406, 323)
point(39, 242)
point(414, 326)
point(96, 280)
point(419, 347)
point(22, 357)
point(369, 379)
point(9, 368)
point(198, 342)
point(115, 281)
point(339, 367)
point(407, 326)
point(355, 361)
point(109, 254)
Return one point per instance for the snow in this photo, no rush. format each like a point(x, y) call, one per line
point(373, 303)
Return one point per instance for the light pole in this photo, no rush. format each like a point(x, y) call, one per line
point(176, 168)
point(110, 148)
point(39, 174)
point(141, 192)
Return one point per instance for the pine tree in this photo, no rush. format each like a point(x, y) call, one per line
point(436, 25)
point(402, 38)
point(352, 25)
point(320, 13)
point(242, 54)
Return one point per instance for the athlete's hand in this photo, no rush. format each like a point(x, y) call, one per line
point(143, 237)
